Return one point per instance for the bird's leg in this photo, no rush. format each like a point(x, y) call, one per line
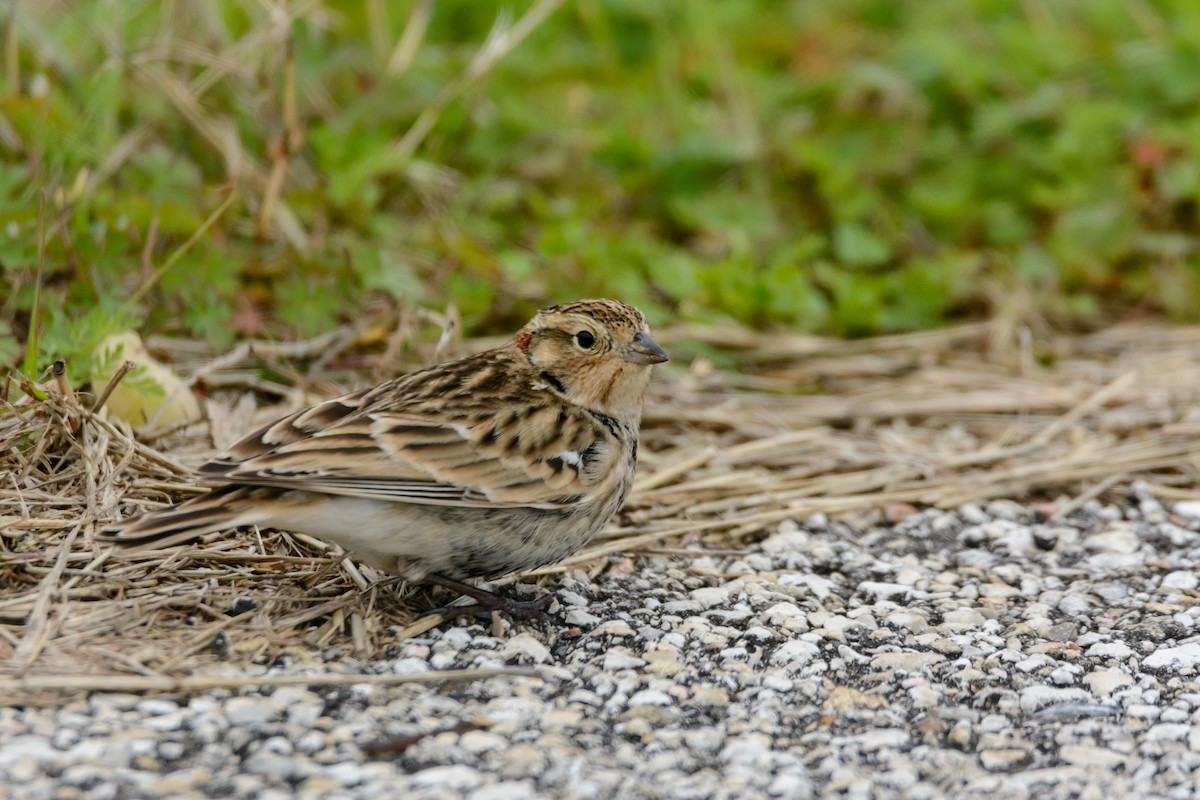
point(487, 602)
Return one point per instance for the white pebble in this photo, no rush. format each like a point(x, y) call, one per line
point(1181, 579)
point(885, 591)
point(710, 596)
point(1034, 698)
point(582, 619)
point(524, 644)
point(457, 777)
point(1188, 508)
point(781, 613)
point(1168, 732)
point(250, 711)
point(1117, 650)
point(651, 697)
point(409, 666)
point(1181, 657)
point(618, 658)
point(794, 654)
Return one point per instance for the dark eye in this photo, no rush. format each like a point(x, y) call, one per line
point(585, 339)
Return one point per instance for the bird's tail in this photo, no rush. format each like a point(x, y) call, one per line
point(222, 509)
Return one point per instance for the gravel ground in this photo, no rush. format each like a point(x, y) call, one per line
point(980, 652)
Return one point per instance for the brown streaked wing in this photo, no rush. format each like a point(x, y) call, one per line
point(437, 457)
point(293, 428)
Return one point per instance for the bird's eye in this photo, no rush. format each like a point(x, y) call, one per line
point(585, 340)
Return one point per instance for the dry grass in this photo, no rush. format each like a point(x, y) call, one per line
point(796, 426)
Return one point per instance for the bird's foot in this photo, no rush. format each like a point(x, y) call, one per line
point(486, 602)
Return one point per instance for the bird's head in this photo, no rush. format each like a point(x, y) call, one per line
point(595, 353)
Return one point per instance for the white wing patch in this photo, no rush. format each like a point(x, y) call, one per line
point(570, 458)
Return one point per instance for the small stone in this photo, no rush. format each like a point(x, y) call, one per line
point(782, 613)
point(569, 598)
point(1084, 755)
point(974, 536)
point(613, 627)
point(760, 634)
point(906, 662)
point(165, 723)
point(524, 645)
point(835, 626)
point(311, 742)
point(271, 765)
point(947, 647)
point(170, 751)
point(1188, 508)
point(896, 513)
point(791, 784)
point(1064, 631)
point(618, 658)
point(709, 697)
point(1174, 714)
point(410, 666)
point(581, 618)
point(734, 654)
point(885, 591)
point(961, 736)
point(457, 778)
point(1115, 650)
point(1186, 580)
point(65, 738)
point(1036, 697)
point(845, 699)
point(710, 596)
point(911, 621)
point(1074, 605)
point(776, 681)
point(1143, 711)
point(1104, 682)
point(1064, 675)
point(1003, 759)
point(523, 760)
point(820, 586)
point(157, 707)
point(967, 617)
point(251, 711)
point(506, 790)
point(1006, 509)
point(346, 773)
point(703, 740)
point(1168, 732)
point(1121, 537)
point(794, 654)
point(477, 742)
point(650, 697)
point(1185, 656)
point(1045, 538)
point(684, 608)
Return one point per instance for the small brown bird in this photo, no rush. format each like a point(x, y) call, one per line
point(496, 463)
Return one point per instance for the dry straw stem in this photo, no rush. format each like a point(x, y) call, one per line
point(787, 426)
point(205, 683)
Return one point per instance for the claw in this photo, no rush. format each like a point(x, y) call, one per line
point(486, 602)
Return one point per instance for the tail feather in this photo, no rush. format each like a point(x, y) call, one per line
point(219, 510)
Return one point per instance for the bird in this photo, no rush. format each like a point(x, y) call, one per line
point(493, 464)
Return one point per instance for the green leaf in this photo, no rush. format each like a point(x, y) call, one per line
point(856, 246)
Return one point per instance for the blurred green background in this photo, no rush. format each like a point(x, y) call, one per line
point(846, 167)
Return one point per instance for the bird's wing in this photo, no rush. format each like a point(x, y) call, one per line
point(541, 455)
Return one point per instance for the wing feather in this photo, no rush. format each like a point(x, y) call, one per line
point(398, 442)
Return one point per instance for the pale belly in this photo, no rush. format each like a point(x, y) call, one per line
point(460, 543)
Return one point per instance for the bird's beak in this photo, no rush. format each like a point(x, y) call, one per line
point(644, 350)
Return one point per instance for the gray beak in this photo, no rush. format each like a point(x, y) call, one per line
point(644, 350)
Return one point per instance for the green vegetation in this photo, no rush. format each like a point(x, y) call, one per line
point(844, 167)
